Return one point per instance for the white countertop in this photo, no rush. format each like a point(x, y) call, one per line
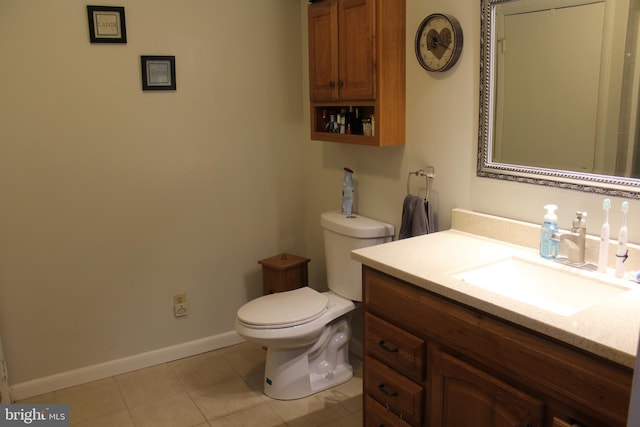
point(608, 329)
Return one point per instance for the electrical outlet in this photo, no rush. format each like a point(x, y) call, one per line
point(180, 307)
point(179, 298)
point(180, 310)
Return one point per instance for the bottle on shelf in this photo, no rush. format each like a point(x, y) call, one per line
point(366, 127)
point(332, 123)
point(356, 125)
point(373, 125)
point(348, 120)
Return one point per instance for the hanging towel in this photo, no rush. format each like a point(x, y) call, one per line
point(416, 217)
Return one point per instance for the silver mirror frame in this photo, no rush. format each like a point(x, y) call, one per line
point(586, 182)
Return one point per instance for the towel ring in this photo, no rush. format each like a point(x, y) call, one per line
point(429, 174)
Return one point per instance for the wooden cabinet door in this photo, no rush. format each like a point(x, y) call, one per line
point(323, 50)
point(356, 30)
point(342, 50)
point(462, 396)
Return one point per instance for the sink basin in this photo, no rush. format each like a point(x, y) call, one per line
point(559, 289)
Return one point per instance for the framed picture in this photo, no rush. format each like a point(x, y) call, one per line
point(107, 24)
point(158, 72)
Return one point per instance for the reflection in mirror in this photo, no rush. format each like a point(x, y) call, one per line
point(559, 94)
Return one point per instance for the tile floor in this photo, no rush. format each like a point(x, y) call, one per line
point(222, 388)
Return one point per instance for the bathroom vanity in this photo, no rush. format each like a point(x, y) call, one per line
point(440, 351)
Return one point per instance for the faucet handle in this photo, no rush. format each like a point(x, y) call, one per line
point(580, 221)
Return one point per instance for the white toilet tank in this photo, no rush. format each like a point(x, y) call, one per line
point(342, 234)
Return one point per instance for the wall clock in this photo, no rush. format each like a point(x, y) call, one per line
point(438, 42)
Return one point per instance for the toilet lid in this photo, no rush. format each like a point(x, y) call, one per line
point(284, 309)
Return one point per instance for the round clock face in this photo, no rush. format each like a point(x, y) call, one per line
point(438, 42)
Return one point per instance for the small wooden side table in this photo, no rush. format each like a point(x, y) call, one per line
point(284, 272)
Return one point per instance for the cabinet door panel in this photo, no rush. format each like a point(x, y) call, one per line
point(463, 396)
point(357, 49)
point(323, 50)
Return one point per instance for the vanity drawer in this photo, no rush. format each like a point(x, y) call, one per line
point(395, 347)
point(394, 391)
point(377, 415)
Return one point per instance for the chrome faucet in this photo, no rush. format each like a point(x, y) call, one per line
point(575, 240)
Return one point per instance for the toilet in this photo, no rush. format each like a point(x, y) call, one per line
point(307, 332)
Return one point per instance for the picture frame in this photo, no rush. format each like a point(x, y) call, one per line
point(107, 24)
point(158, 72)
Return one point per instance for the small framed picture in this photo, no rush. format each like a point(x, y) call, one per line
point(158, 72)
point(107, 24)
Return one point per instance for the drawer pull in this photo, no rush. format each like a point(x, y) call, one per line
point(386, 392)
point(387, 348)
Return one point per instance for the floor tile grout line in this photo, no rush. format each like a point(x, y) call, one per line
point(189, 393)
point(247, 376)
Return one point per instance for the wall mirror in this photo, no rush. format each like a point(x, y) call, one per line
point(559, 94)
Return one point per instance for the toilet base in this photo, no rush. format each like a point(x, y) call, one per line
point(299, 372)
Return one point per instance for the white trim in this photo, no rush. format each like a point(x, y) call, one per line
point(125, 364)
point(5, 389)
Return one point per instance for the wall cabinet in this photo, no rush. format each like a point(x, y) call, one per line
point(341, 49)
point(429, 361)
point(357, 71)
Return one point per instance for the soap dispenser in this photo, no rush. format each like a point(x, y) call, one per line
point(549, 246)
point(347, 192)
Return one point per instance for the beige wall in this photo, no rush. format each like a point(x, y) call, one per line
point(442, 123)
point(114, 199)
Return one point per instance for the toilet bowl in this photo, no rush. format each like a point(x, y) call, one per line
point(307, 332)
point(307, 352)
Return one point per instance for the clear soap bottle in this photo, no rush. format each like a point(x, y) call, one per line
point(347, 192)
point(548, 246)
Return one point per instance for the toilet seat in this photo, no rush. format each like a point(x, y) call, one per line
point(284, 309)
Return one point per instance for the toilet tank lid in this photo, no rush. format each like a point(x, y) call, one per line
point(355, 225)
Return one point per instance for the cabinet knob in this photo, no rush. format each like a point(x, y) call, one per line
point(332, 83)
point(340, 83)
point(386, 392)
point(385, 347)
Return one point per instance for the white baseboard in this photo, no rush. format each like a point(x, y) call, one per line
point(120, 366)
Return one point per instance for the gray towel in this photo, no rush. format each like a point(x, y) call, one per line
point(416, 217)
